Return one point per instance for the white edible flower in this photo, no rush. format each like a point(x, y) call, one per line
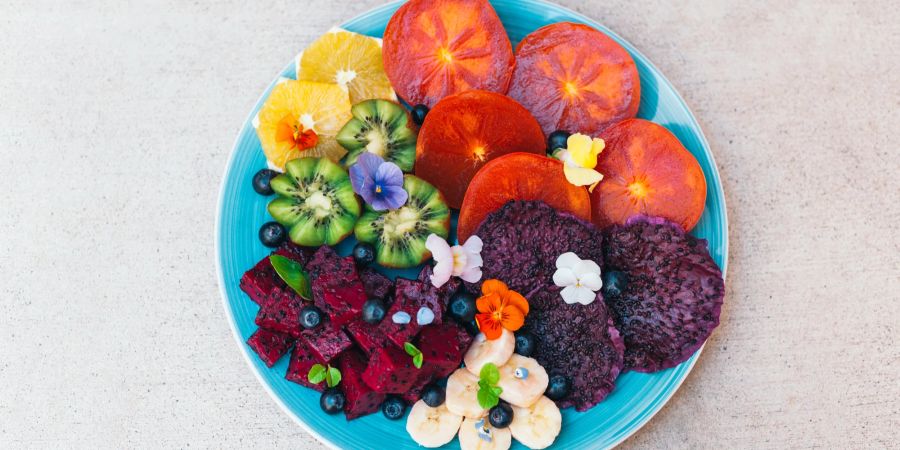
point(462, 261)
point(579, 278)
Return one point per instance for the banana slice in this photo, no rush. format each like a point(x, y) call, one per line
point(523, 381)
point(537, 426)
point(483, 351)
point(462, 395)
point(478, 434)
point(432, 427)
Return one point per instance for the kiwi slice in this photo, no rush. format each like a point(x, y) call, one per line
point(380, 127)
point(315, 202)
point(399, 235)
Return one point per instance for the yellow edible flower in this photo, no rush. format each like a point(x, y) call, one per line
point(579, 159)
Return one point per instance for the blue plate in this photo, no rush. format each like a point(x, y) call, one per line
point(636, 398)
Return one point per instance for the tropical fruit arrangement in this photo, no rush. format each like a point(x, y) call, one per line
point(570, 261)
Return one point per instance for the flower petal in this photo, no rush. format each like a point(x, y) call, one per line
point(494, 286)
point(389, 174)
point(513, 318)
point(585, 267)
point(567, 260)
point(516, 300)
point(369, 163)
point(471, 275)
point(564, 277)
point(584, 295)
point(592, 281)
point(569, 294)
point(441, 273)
point(363, 184)
point(394, 196)
point(439, 248)
point(473, 244)
point(491, 329)
point(579, 147)
point(488, 303)
point(580, 176)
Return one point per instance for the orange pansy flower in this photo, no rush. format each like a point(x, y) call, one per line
point(499, 308)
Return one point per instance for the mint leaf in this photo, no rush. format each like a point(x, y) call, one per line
point(317, 374)
point(417, 356)
point(490, 374)
point(333, 376)
point(497, 390)
point(293, 274)
point(487, 399)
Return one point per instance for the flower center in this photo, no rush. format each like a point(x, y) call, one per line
point(295, 133)
point(377, 188)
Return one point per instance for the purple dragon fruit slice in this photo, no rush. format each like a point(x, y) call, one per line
point(260, 281)
point(367, 336)
point(443, 347)
point(270, 345)
point(325, 341)
point(281, 312)
point(674, 293)
point(375, 284)
point(302, 359)
point(361, 399)
point(390, 371)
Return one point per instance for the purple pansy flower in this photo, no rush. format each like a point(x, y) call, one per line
point(379, 183)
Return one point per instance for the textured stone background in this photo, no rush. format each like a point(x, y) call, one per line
point(118, 118)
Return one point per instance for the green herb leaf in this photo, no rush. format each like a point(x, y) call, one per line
point(333, 377)
point(487, 399)
point(490, 374)
point(293, 274)
point(317, 374)
point(417, 356)
point(497, 390)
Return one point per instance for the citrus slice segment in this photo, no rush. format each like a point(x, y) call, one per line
point(519, 176)
point(646, 171)
point(350, 60)
point(433, 49)
point(465, 131)
point(575, 78)
point(302, 118)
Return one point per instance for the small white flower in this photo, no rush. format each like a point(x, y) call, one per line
point(462, 261)
point(579, 278)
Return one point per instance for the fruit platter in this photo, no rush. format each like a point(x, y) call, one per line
point(471, 224)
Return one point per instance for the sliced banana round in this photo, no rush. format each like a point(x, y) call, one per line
point(432, 427)
point(478, 434)
point(483, 351)
point(462, 395)
point(523, 380)
point(538, 425)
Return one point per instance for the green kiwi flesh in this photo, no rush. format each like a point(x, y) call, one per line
point(380, 127)
point(399, 235)
point(315, 202)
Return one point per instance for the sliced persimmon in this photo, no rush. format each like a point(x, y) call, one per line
point(465, 131)
point(646, 171)
point(435, 48)
point(575, 78)
point(519, 176)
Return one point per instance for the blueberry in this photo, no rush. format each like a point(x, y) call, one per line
point(393, 408)
point(433, 395)
point(614, 283)
point(501, 415)
point(373, 311)
point(310, 317)
point(332, 401)
point(272, 234)
point(364, 254)
point(462, 307)
point(557, 139)
point(418, 114)
point(525, 343)
point(471, 327)
point(262, 181)
point(558, 387)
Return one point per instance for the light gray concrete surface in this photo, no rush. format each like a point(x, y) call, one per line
point(118, 118)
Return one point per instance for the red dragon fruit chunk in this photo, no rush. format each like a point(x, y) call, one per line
point(361, 399)
point(270, 345)
point(326, 342)
point(302, 359)
point(281, 312)
point(390, 371)
point(443, 348)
